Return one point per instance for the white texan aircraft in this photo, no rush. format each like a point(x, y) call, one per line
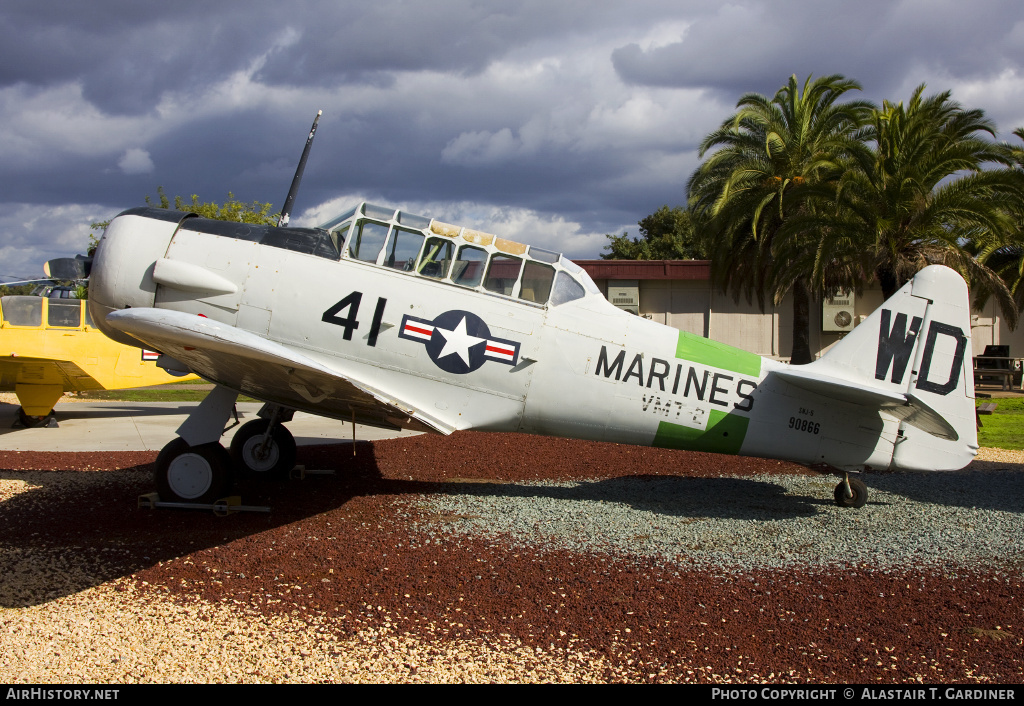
point(394, 320)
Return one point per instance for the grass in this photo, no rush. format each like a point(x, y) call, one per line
point(143, 395)
point(178, 395)
point(1004, 428)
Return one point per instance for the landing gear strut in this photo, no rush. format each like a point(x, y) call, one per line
point(196, 468)
point(852, 492)
point(37, 403)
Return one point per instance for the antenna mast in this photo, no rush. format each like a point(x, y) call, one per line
point(297, 179)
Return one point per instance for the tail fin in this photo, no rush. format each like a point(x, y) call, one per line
point(912, 359)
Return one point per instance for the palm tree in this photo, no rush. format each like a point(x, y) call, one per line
point(1006, 256)
point(773, 162)
point(924, 196)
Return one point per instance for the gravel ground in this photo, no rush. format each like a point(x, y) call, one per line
point(11, 398)
point(770, 522)
point(497, 558)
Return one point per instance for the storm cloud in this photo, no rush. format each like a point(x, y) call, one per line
point(552, 123)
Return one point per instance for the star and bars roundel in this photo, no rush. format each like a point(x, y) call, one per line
point(458, 341)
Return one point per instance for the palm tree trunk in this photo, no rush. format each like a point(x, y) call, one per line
point(887, 279)
point(801, 324)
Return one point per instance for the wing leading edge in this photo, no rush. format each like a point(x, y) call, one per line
point(268, 370)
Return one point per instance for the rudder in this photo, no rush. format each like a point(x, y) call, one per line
point(918, 345)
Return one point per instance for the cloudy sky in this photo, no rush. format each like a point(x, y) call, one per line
point(552, 122)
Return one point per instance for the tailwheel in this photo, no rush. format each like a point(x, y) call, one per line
point(857, 495)
point(257, 454)
point(198, 474)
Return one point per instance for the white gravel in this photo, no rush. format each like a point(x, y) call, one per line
point(11, 398)
point(759, 522)
point(110, 634)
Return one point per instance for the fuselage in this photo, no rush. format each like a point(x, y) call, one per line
point(481, 333)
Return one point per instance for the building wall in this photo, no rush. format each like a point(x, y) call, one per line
point(693, 305)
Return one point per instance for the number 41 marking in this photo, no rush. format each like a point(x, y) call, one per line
point(349, 322)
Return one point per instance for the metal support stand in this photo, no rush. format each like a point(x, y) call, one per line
point(221, 508)
point(300, 472)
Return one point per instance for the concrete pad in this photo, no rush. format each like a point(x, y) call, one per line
point(147, 426)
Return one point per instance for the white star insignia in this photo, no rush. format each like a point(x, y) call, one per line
point(458, 341)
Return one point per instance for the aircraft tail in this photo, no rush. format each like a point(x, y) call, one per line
point(912, 359)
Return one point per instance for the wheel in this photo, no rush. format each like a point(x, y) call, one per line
point(275, 462)
point(860, 494)
point(197, 474)
point(28, 421)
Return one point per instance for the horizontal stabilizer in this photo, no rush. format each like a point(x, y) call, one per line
point(917, 414)
point(908, 408)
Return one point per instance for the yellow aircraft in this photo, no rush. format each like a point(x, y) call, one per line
point(50, 346)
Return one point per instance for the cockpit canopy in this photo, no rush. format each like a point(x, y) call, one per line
point(43, 312)
point(467, 258)
point(417, 246)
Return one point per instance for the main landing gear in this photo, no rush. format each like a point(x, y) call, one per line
point(263, 448)
point(37, 403)
point(29, 420)
point(196, 468)
point(851, 492)
point(198, 474)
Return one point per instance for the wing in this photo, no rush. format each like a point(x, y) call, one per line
point(270, 371)
point(15, 369)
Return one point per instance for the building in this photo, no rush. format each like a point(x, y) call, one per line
point(679, 293)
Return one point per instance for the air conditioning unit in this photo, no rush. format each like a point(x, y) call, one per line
point(837, 313)
point(625, 294)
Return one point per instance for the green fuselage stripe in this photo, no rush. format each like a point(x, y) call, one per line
point(701, 350)
point(724, 434)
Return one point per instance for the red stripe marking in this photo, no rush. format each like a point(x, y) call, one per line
point(428, 332)
point(506, 351)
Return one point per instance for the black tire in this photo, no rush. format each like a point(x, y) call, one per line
point(193, 474)
point(859, 490)
point(28, 421)
point(280, 452)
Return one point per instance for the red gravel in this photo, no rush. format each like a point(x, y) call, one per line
point(336, 546)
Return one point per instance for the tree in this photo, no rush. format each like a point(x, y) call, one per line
point(1006, 256)
point(232, 210)
point(666, 234)
point(924, 196)
point(772, 163)
point(6, 290)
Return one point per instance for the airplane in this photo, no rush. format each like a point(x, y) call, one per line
point(50, 345)
point(387, 318)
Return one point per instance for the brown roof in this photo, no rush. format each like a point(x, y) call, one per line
point(647, 269)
